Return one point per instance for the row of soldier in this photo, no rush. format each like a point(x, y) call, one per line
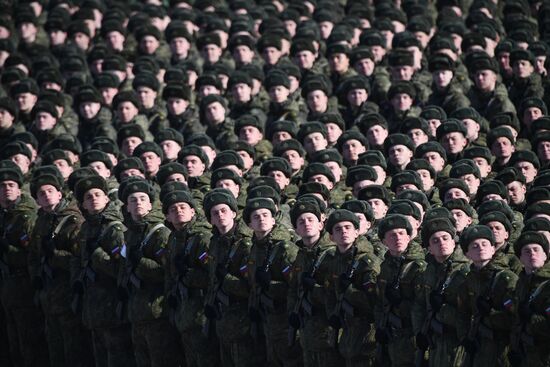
point(241, 289)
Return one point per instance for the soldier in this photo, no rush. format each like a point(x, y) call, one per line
point(399, 282)
point(351, 290)
point(484, 319)
point(531, 295)
point(142, 279)
point(9, 124)
point(526, 82)
point(399, 149)
point(147, 87)
point(435, 307)
point(228, 292)
point(271, 257)
point(251, 130)
point(526, 162)
point(307, 295)
point(281, 107)
point(197, 163)
point(187, 277)
point(53, 246)
point(375, 127)
point(182, 116)
point(446, 91)
point(24, 321)
point(101, 240)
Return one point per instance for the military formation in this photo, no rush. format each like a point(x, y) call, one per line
point(204, 183)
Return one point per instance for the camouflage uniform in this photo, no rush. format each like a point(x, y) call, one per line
point(155, 340)
point(450, 99)
point(490, 287)
point(52, 248)
point(531, 333)
point(442, 283)
point(187, 123)
point(96, 127)
point(352, 282)
point(490, 104)
point(307, 306)
point(522, 88)
point(399, 282)
point(187, 283)
point(24, 321)
point(101, 240)
point(227, 298)
point(273, 255)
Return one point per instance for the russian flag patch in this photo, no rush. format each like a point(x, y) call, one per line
point(367, 286)
point(160, 251)
point(203, 258)
point(24, 238)
point(115, 251)
point(508, 304)
point(547, 311)
point(123, 250)
point(286, 270)
point(244, 269)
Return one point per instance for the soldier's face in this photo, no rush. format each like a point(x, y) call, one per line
point(485, 80)
point(148, 45)
point(376, 135)
point(442, 78)
point(484, 166)
point(95, 200)
point(455, 193)
point(130, 144)
point(461, 218)
point(400, 155)
point(528, 170)
point(261, 221)
point(64, 167)
point(243, 54)
point(170, 148)
point(454, 142)
point(317, 101)
point(279, 93)
point(503, 148)
point(139, 205)
point(315, 142)
point(308, 225)
point(6, 119)
point(304, 59)
point(500, 233)
point(280, 136)
point(147, 96)
point(295, 160)
point(48, 197)
point(523, 69)
point(25, 101)
point(379, 207)
point(222, 217)
point(401, 102)
point(364, 67)
point(516, 191)
point(344, 235)
point(176, 106)
point(397, 240)
point(179, 46)
point(250, 134)
point(472, 181)
point(151, 162)
point(9, 192)
point(364, 224)
point(242, 92)
point(101, 169)
point(533, 257)
point(441, 245)
point(230, 185)
point(279, 178)
point(194, 165)
point(418, 136)
point(44, 121)
point(179, 214)
point(480, 251)
point(351, 149)
point(126, 111)
point(427, 180)
point(333, 132)
point(356, 97)
point(339, 63)
point(335, 169)
point(89, 110)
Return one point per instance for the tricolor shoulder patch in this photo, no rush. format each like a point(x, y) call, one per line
point(203, 258)
point(508, 304)
point(244, 270)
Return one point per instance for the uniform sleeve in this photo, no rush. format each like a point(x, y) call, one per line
point(501, 317)
point(419, 310)
point(464, 311)
point(62, 257)
point(197, 275)
point(236, 283)
point(35, 253)
point(151, 267)
point(279, 285)
point(107, 262)
point(362, 294)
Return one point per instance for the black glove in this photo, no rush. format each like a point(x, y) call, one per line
point(470, 346)
point(263, 278)
point(393, 295)
point(382, 336)
point(308, 282)
point(91, 245)
point(422, 341)
point(37, 283)
point(335, 322)
point(484, 305)
point(525, 312)
point(221, 272)
point(345, 281)
point(295, 320)
point(436, 300)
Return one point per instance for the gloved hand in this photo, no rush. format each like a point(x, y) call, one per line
point(382, 336)
point(484, 305)
point(422, 341)
point(263, 278)
point(393, 295)
point(308, 282)
point(344, 281)
point(525, 312)
point(221, 272)
point(436, 300)
point(470, 346)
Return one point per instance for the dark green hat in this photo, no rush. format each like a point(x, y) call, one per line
point(314, 188)
point(352, 135)
point(505, 119)
point(491, 187)
point(177, 196)
point(495, 206)
point(509, 175)
point(44, 179)
point(460, 204)
point(303, 206)
point(314, 169)
point(521, 54)
point(372, 158)
point(126, 164)
point(310, 128)
point(53, 155)
point(248, 120)
point(276, 164)
point(451, 183)
point(393, 221)
point(86, 184)
point(496, 217)
point(401, 57)
point(431, 146)
point(148, 146)
point(537, 194)
point(8, 174)
point(276, 78)
point(537, 224)
point(332, 117)
point(360, 173)
point(169, 134)
point(402, 87)
point(15, 147)
point(173, 90)
point(130, 130)
point(418, 164)
point(169, 169)
point(398, 139)
point(525, 156)
point(500, 132)
point(227, 158)
point(375, 192)
point(528, 238)
point(258, 203)
point(146, 79)
point(436, 225)
point(450, 125)
point(405, 207)
point(478, 152)
point(281, 125)
point(538, 208)
point(94, 155)
point(464, 167)
point(411, 123)
point(327, 155)
point(406, 177)
point(225, 174)
point(341, 215)
point(290, 144)
point(359, 206)
point(138, 185)
point(433, 113)
point(415, 196)
point(126, 96)
point(79, 174)
point(195, 150)
point(473, 233)
point(441, 62)
point(218, 196)
point(264, 191)
point(371, 119)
